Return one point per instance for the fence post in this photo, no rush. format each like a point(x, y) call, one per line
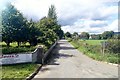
point(40, 55)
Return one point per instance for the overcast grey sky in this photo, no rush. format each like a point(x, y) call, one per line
point(93, 16)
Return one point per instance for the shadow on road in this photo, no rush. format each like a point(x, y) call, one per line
point(55, 54)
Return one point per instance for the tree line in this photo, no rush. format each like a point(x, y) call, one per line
point(86, 35)
point(16, 28)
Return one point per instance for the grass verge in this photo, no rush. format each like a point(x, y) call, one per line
point(94, 53)
point(18, 71)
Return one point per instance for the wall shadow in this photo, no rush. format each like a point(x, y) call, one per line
point(55, 54)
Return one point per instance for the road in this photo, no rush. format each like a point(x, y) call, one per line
point(68, 62)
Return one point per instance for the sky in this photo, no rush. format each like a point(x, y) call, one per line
point(93, 16)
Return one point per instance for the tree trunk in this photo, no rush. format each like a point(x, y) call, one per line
point(8, 44)
point(18, 44)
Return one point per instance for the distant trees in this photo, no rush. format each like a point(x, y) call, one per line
point(107, 34)
point(95, 36)
point(84, 35)
point(68, 35)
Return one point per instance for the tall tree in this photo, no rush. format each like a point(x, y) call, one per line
point(52, 13)
point(33, 33)
point(14, 25)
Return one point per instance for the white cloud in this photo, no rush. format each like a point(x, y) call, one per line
point(74, 15)
point(113, 26)
point(85, 26)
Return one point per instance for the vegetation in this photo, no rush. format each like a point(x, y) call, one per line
point(94, 50)
point(19, 71)
point(107, 34)
point(16, 28)
point(68, 35)
point(102, 47)
point(94, 42)
point(22, 35)
point(84, 35)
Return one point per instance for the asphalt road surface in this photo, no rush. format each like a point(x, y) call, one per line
point(68, 62)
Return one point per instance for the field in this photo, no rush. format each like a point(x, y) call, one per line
point(20, 71)
point(13, 44)
point(93, 49)
point(94, 42)
point(24, 47)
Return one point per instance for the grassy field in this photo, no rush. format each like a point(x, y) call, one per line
point(94, 42)
point(20, 71)
point(24, 47)
point(93, 50)
point(13, 44)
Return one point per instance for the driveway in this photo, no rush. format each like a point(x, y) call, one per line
point(68, 62)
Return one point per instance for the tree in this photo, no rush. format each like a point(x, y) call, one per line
point(14, 25)
point(84, 35)
point(67, 34)
point(75, 35)
point(33, 33)
point(52, 13)
point(46, 27)
point(107, 34)
point(52, 18)
point(95, 36)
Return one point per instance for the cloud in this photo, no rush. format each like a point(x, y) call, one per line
point(74, 15)
point(90, 26)
point(113, 26)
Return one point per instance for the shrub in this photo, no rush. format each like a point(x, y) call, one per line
point(69, 39)
point(9, 50)
point(113, 46)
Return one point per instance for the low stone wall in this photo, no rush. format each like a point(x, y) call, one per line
point(38, 56)
point(15, 58)
point(48, 52)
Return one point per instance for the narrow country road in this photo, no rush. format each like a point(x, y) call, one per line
point(68, 62)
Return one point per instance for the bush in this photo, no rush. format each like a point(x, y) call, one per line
point(113, 46)
point(94, 51)
point(9, 50)
point(69, 39)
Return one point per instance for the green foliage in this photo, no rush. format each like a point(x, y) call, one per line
point(9, 50)
point(116, 36)
point(33, 33)
point(94, 50)
point(95, 37)
point(68, 35)
point(84, 35)
point(107, 34)
point(75, 35)
point(52, 13)
point(14, 25)
point(50, 30)
point(19, 71)
point(113, 45)
point(18, 29)
point(69, 39)
point(94, 42)
point(13, 48)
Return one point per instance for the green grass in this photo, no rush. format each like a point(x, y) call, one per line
point(18, 70)
point(93, 50)
point(13, 44)
point(24, 47)
point(94, 42)
point(11, 50)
